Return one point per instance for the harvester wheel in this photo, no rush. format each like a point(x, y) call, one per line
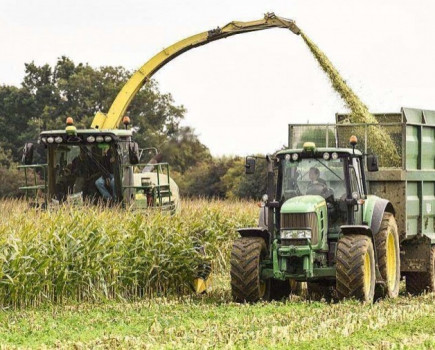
point(319, 290)
point(246, 256)
point(388, 251)
point(355, 274)
point(419, 282)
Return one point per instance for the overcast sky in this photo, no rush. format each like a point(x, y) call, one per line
point(241, 92)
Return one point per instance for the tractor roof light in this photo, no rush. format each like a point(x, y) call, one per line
point(326, 156)
point(126, 121)
point(107, 138)
point(99, 138)
point(50, 139)
point(90, 139)
point(309, 146)
point(295, 156)
point(353, 140)
point(58, 139)
point(287, 156)
point(334, 155)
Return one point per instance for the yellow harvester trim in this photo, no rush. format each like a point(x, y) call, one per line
point(113, 118)
point(201, 285)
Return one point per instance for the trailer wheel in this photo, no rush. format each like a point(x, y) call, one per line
point(319, 290)
point(419, 282)
point(355, 268)
point(388, 251)
point(246, 256)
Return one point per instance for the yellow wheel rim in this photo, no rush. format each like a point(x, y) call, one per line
point(367, 273)
point(391, 261)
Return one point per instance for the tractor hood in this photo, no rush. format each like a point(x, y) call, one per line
point(303, 204)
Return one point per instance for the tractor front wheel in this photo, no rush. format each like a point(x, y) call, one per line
point(355, 269)
point(246, 257)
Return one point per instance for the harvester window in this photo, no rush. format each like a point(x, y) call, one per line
point(76, 168)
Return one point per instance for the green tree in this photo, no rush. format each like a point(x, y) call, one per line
point(11, 177)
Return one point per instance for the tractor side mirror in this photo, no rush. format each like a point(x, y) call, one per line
point(27, 157)
point(133, 153)
point(250, 165)
point(372, 163)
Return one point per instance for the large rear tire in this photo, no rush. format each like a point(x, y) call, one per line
point(419, 282)
point(355, 274)
point(388, 252)
point(246, 256)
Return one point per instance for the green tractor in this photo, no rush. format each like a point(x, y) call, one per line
point(319, 223)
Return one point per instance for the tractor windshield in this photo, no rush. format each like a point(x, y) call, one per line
point(313, 176)
point(74, 170)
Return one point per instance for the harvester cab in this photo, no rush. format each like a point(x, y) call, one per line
point(98, 166)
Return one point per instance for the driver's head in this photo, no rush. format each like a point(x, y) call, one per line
point(314, 174)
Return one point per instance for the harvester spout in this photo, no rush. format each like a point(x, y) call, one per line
point(286, 22)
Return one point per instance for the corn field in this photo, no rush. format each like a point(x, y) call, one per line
point(94, 253)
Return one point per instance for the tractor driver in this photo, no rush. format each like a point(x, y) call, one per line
point(316, 186)
point(107, 178)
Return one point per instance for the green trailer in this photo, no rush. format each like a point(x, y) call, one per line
point(345, 220)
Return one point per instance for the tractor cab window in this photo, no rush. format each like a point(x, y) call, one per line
point(75, 169)
point(312, 176)
point(356, 178)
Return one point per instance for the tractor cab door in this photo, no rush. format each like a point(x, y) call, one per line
point(357, 190)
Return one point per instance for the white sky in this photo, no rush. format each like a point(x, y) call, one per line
point(240, 92)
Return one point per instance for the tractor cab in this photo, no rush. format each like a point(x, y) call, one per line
point(327, 179)
point(97, 166)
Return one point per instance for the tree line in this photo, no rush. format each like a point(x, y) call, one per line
point(48, 95)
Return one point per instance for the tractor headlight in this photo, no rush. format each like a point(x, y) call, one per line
point(295, 233)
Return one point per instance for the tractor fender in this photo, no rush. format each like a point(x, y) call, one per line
point(375, 209)
point(357, 230)
point(256, 232)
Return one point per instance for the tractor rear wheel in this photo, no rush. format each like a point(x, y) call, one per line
point(388, 251)
point(355, 268)
point(246, 256)
point(419, 282)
